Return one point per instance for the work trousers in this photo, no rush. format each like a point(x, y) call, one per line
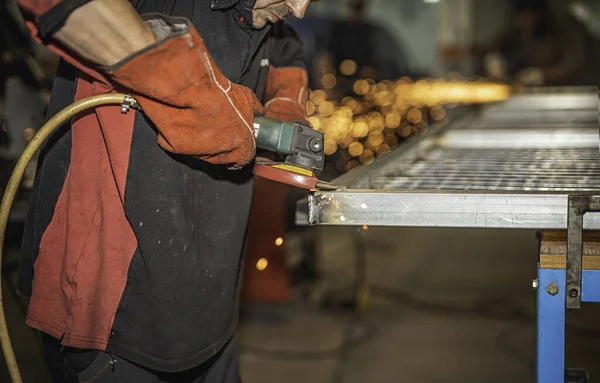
point(91, 366)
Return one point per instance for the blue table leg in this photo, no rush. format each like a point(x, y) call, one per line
point(550, 366)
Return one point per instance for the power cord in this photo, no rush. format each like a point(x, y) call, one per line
point(350, 341)
point(360, 300)
point(502, 343)
point(492, 308)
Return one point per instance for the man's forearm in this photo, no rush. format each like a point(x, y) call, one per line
point(104, 31)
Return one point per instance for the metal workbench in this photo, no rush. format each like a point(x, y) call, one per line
point(523, 164)
point(477, 171)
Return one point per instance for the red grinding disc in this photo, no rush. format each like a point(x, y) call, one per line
point(286, 177)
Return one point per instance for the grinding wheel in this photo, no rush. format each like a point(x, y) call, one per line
point(292, 178)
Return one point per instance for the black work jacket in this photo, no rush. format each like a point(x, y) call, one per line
point(180, 304)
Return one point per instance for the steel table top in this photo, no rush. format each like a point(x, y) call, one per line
point(477, 172)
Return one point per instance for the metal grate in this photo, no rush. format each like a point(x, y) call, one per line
point(536, 170)
point(532, 143)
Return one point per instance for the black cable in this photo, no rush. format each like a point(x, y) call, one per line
point(501, 341)
point(349, 341)
point(491, 308)
point(352, 342)
point(342, 359)
point(360, 282)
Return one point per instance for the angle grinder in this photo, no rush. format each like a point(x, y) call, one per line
point(302, 148)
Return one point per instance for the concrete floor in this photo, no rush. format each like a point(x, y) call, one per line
point(441, 309)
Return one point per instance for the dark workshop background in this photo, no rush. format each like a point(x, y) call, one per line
point(366, 304)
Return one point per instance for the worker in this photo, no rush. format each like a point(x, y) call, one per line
point(133, 245)
point(544, 47)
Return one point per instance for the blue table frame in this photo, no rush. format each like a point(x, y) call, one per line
point(551, 312)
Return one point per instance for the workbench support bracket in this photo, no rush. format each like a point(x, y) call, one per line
point(578, 206)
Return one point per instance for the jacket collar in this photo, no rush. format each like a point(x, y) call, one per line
point(223, 4)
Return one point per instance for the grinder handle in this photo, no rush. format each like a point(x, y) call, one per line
point(273, 135)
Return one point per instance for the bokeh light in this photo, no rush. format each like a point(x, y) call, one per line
point(379, 115)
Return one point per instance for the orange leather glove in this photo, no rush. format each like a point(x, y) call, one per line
point(197, 110)
point(286, 94)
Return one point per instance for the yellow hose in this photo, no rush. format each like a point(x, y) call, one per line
point(13, 185)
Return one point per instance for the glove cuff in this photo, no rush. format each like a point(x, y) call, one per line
point(287, 93)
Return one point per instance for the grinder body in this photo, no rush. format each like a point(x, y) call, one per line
point(300, 144)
